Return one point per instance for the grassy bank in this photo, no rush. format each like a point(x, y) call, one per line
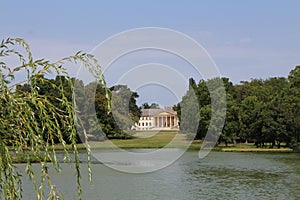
point(146, 139)
point(250, 147)
point(153, 139)
point(281, 150)
point(156, 140)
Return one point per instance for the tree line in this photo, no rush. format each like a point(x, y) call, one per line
point(265, 112)
point(90, 100)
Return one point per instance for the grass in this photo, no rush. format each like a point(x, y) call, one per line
point(156, 140)
point(159, 139)
point(146, 139)
point(153, 139)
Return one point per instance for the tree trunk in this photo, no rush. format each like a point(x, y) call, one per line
point(273, 144)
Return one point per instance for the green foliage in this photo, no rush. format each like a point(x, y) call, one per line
point(262, 111)
point(152, 106)
point(188, 111)
point(32, 121)
point(195, 109)
point(294, 77)
point(115, 124)
point(124, 105)
point(54, 90)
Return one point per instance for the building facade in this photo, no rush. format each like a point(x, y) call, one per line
point(158, 119)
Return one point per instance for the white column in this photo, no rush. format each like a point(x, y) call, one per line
point(160, 122)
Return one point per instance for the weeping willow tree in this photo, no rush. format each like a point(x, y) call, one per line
point(26, 117)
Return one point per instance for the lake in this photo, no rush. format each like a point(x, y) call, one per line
point(218, 176)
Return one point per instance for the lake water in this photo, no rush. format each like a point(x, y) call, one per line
point(218, 176)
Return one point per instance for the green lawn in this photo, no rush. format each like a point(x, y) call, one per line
point(147, 139)
point(153, 139)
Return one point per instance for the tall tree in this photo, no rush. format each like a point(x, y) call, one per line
point(117, 123)
point(293, 99)
point(188, 110)
point(124, 107)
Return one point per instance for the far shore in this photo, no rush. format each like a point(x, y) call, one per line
point(156, 140)
point(150, 140)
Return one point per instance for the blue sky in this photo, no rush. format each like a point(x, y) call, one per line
point(246, 39)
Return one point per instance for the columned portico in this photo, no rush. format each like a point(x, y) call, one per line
point(165, 121)
point(155, 119)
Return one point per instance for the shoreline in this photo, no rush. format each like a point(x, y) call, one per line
point(194, 146)
point(256, 150)
point(144, 140)
point(24, 158)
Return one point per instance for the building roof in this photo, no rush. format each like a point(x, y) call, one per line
point(157, 111)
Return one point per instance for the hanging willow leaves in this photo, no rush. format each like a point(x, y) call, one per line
point(26, 117)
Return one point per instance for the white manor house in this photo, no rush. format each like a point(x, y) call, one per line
point(158, 119)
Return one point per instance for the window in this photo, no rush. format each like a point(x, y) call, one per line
point(149, 123)
point(146, 123)
point(139, 124)
point(143, 124)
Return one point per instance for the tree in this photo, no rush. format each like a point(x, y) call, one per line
point(145, 106)
point(231, 127)
point(114, 123)
point(264, 111)
point(294, 77)
point(51, 89)
point(260, 111)
point(196, 112)
point(124, 108)
point(293, 104)
point(95, 110)
point(188, 110)
point(21, 132)
point(250, 119)
point(152, 106)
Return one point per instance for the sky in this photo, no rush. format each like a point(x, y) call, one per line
point(245, 39)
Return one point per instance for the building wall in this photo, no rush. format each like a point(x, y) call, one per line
point(145, 123)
